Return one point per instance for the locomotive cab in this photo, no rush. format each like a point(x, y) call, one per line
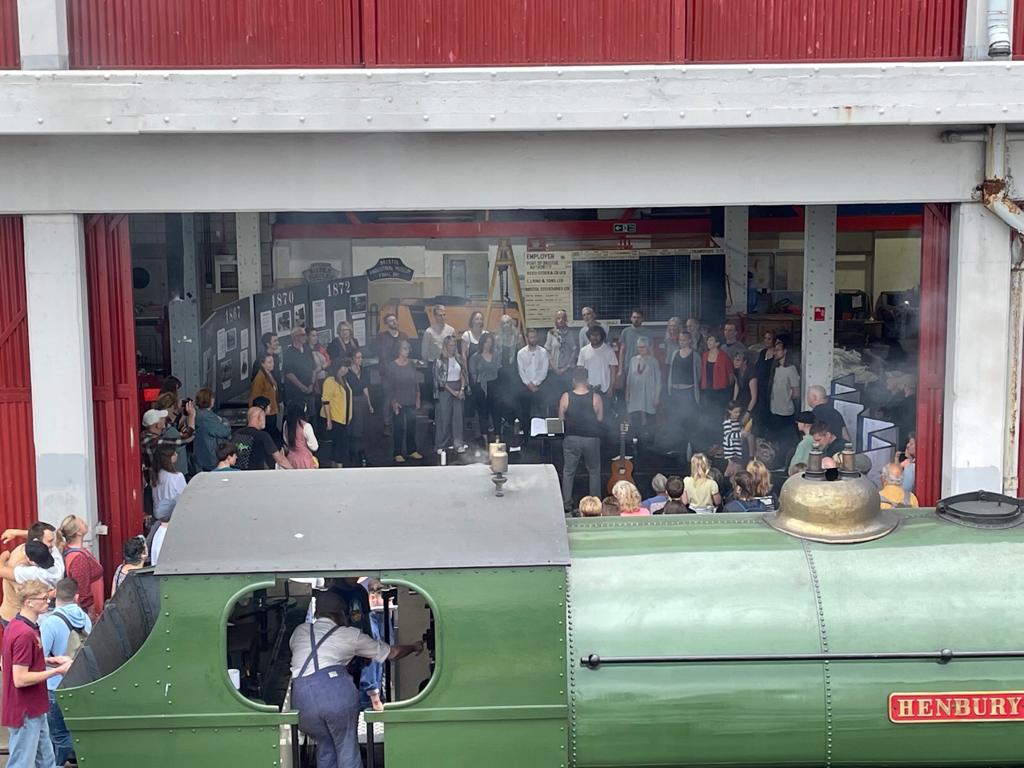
point(192, 658)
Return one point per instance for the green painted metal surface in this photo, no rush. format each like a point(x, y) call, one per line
point(498, 695)
point(173, 701)
point(730, 585)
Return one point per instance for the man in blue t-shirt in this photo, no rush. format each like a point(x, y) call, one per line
point(56, 631)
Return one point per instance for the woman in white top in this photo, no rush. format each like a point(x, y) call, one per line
point(165, 480)
point(450, 392)
point(471, 336)
point(322, 688)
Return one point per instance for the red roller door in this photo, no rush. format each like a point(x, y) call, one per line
point(9, 57)
point(932, 352)
point(185, 34)
point(826, 30)
point(442, 33)
point(115, 399)
point(18, 465)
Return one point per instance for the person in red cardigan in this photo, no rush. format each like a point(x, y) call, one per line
point(716, 385)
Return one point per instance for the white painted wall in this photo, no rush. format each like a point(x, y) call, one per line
point(897, 264)
point(58, 326)
point(977, 350)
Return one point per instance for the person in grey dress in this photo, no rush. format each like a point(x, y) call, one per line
point(483, 372)
point(643, 388)
point(450, 393)
point(402, 393)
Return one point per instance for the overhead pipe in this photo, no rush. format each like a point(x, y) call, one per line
point(958, 137)
point(995, 198)
point(999, 45)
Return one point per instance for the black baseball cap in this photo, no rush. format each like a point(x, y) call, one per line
point(39, 554)
point(805, 417)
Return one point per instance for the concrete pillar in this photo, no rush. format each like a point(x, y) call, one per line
point(977, 352)
point(737, 252)
point(818, 323)
point(43, 34)
point(183, 311)
point(249, 255)
point(59, 353)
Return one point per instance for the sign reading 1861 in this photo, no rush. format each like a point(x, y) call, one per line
point(389, 269)
point(956, 707)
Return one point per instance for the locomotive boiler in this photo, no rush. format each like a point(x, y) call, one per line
point(830, 633)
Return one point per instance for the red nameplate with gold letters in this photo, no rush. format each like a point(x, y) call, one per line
point(957, 707)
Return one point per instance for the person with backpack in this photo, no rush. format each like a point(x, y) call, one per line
point(81, 565)
point(63, 632)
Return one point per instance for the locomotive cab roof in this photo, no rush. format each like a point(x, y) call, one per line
point(366, 520)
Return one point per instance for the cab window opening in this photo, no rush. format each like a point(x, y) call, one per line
point(262, 622)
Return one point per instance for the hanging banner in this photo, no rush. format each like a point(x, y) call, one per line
point(227, 351)
point(334, 301)
point(281, 310)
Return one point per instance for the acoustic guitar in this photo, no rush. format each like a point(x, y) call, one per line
point(622, 467)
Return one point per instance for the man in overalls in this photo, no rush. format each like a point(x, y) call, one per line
point(322, 690)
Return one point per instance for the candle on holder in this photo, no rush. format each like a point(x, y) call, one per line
point(499, 461)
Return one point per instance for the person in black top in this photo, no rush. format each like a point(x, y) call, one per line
point(683, 396)
point(823, 410)
point(255, 448)
point(300, 372)
point(362, 409)
point(582, 411)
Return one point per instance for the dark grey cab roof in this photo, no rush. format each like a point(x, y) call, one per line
point(360, 520)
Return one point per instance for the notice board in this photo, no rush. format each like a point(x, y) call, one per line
point(332, 301)
point(662, 282)
point(227, 351)
point(281, 310)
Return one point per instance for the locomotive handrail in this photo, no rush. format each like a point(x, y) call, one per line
point(944, 656)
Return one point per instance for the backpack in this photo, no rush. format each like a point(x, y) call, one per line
point(243, 445)
point(76, 637)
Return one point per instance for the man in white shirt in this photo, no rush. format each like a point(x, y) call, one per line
point(41, 566)
point(589, 321)
point(533, 363)
point(435, 334)
point(599, 360)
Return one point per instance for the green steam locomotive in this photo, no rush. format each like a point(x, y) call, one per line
point(830, 633)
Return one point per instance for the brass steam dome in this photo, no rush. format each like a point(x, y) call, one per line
point(838, 506)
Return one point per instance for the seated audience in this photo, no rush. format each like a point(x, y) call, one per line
point(609, 507)
point(629, 499)
point(893, 494)
point(590, 506)
point(700, 491)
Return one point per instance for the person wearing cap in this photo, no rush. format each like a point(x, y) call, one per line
point(804, 422)
point(40, 566)
point(322, 689)
point(26, 669)
point(38, 531)
point(156, 433)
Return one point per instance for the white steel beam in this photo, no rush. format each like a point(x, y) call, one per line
point(59, 355)
point(737, 256)
point(817, 337)
point(512, 99)
point(247, 254)
point(977, 352)
point(458, 171)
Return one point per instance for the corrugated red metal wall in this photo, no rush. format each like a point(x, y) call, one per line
point(496, 32)
point(436, 33)
point(826, 30)
point(115, 399)
point(1018, 29)
point(213, 33)
point(17, 449)
point(9, 47)
point(931, 376)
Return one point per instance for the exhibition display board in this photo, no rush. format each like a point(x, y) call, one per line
point(227, 350)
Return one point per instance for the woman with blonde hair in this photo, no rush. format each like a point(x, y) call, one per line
point(629, 499)
point(762, 483)
point(700, 491)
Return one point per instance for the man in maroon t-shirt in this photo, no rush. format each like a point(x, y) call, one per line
point(25, 703)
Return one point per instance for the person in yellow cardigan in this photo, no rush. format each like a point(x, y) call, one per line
point(337, 410)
